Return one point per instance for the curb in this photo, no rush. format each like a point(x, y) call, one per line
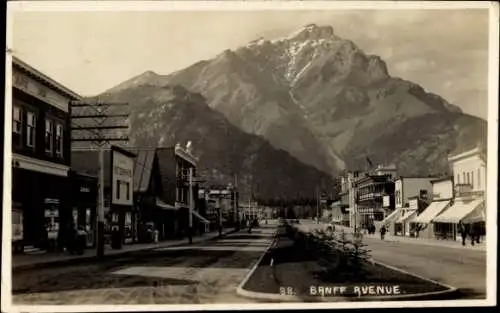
point(250, 294)
point(290, 298)
point(93, 258)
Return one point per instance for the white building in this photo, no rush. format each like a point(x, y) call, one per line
point(442, 196)
point(468, 207)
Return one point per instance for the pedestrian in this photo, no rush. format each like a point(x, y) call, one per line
point(382, 232)
point(463, 232)
point(472, 235)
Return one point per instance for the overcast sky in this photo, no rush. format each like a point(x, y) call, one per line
point(446, 52)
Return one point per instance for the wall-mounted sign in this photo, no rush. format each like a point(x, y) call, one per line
point(38, 90)
point(122, 178)
point(386, 201)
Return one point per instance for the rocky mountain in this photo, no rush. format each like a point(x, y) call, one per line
point(329, 104)
point(166, 115)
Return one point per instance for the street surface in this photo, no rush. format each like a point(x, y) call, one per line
point(461, 268)
point(202, 273)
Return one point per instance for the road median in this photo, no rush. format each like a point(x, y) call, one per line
point(298, 268)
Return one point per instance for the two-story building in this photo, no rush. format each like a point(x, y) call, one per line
point(40, 158)
point(441, 198)
point(177, 165)
point(406, 188)
point(469, 205)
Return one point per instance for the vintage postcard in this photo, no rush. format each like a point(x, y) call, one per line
point(177, 155)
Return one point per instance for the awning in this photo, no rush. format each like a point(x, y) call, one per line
point(434, 209)
point(159, 203)
point(394, 215)
point(460, 210)
point(407, 216)
point(198, 215)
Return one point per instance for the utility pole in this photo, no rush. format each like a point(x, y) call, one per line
point(317, 204)
point(191, 202)
point(94, 116)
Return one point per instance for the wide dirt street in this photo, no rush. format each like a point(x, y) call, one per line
point(204, 273)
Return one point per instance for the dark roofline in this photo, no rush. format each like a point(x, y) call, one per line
point(442, 179)
point(123, 151)
point(78, 173)
point(416, 177)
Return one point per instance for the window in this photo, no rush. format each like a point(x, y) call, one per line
point(458, 179)
point(468, 179)
point(479, 177)
point(118, 187)
point(49, 135)
point(472, 179)
point(30, 129)
point(127, 189)
point(463, 176)
point(59, 140)
point(16, 120)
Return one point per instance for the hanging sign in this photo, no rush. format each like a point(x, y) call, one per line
point(122, 177)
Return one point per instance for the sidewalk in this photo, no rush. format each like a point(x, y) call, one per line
point(309, 226)
point(28, 261)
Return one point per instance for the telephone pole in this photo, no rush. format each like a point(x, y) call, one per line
point(191, 203)
point(94, 125)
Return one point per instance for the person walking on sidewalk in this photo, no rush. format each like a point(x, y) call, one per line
point(463, 232)
point(382, 232)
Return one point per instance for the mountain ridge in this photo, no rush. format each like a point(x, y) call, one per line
point(322, 99)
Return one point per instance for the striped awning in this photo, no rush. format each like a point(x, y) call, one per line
point(434, 209)
point(460, 210)
point(407, 216)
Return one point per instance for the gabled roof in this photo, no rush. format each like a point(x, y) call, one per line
point(143, 168)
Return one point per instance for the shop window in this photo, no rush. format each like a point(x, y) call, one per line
point(30, 129)
point(49, 125)
point(59, 140)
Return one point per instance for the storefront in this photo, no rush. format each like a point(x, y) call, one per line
point(423, 222)
point(41, 215)
point(84, 205)
point(469, 211)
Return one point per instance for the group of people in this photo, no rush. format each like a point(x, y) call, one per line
point(469, 230)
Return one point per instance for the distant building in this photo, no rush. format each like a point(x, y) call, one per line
point(371, 190)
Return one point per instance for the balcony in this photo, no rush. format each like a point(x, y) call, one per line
point(370, 196)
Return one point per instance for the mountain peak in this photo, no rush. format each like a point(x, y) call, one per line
point(312, 31)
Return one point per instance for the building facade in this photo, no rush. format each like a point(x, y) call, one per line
point(441, 199)
point(348, 195)
point(40, 157)
point(406, 188)
point(468, 208)
point(176, 165)
point(371, 190)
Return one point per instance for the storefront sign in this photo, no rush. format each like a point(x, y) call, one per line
point(38, 90)
point(122, 178)
point(386, 201)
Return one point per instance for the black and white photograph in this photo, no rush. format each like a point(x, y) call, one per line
point(188, 155)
